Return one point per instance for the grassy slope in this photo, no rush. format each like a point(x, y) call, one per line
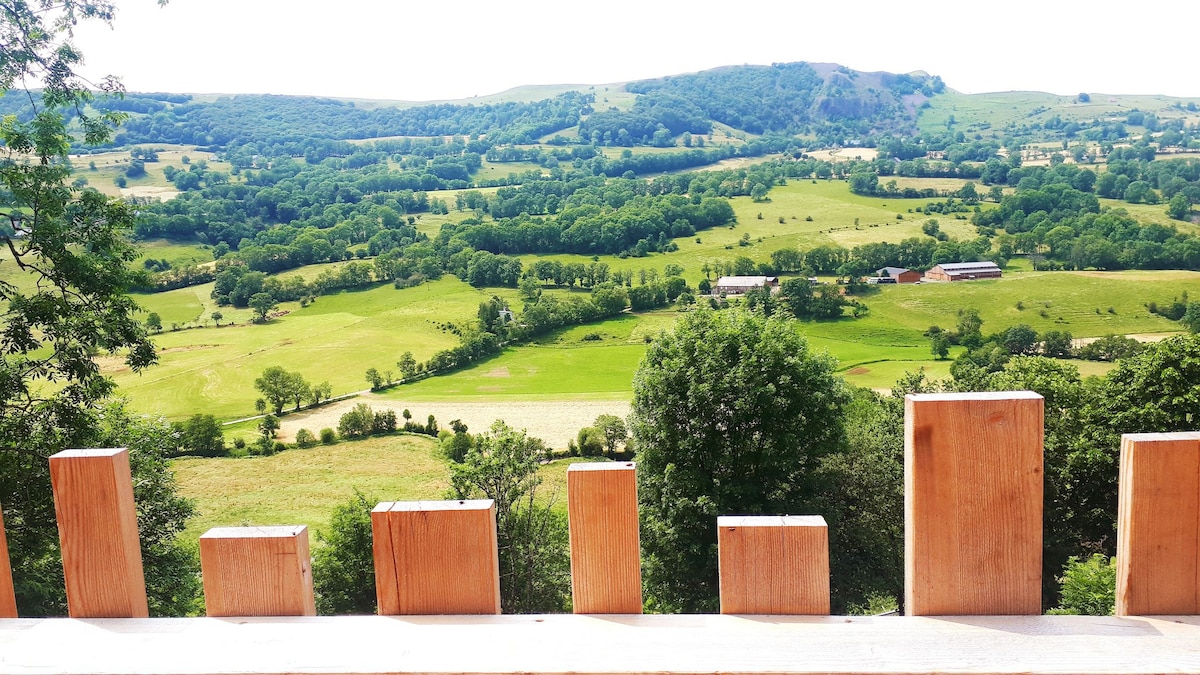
point(978, 112)
point(302, 486)
point(336, 338)
point(109, 165)
point(339, 337)
point(833, 210)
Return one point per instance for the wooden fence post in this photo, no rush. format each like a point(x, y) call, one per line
point(436, 557)
point(773, 564)
point(606, 567)
point(97, 526)
point(8, 599)
point(973, 503)
point(257, 571)
point(1158, 524)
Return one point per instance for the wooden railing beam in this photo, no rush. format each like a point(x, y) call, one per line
point(97, 526)
point(973, 503)
point(626, 645)
point(8, 598)
point(606, 572)
point(257, 571)
point(1158, 524)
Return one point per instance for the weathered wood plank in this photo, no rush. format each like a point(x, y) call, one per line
point(598, 644)
point(773, 564)
point(97, 526)
point(8, 598)
point(440, 556)
point(973, 503)
point(606, 569)
point(257, 571)
point(1158, 524)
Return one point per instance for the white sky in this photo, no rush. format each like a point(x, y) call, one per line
point(400, 49)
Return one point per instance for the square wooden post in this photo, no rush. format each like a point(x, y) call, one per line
point(97, 526)
point(773, 564)
point(1158, 524)
point(8, 599)
point(973, 503)
point(436, 557)
point(606, 567)
point(257, 571)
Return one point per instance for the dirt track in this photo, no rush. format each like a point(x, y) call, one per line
point(555, 422)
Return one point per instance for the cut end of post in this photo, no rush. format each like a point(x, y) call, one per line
point(606, 573)
point(773, 565)
point(973, 480)
point(257, 571)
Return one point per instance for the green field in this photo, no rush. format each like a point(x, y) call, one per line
point(337, 338)
point(110, 165)
point(301, 487)
point(994, 111)
point(833, 210)
point(212, 370)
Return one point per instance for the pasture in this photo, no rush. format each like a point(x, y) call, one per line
point(152, 185)
point(212, 370)
point(338, 337)
point(301, 487)
point(993, 111)
point(830, 204)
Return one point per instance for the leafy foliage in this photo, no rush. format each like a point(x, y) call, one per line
point(534, 563)
point(343, 566)
point(794, 97)
point(1088, 586)
point(731, 414)
point(52, 394)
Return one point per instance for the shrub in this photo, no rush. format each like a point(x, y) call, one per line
point(328, 436)
point(384, 422)
point(1088, 586)
point(305, 438)
point(357, 423)
point(262, 446)
point(239, 443)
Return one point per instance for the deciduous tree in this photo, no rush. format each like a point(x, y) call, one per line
point(343, 567)
point(502, 465)
point(71, 242)
point(731, 414)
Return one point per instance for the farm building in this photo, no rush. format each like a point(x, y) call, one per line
point(740, 285)
point(963, 271)
point(896, 275)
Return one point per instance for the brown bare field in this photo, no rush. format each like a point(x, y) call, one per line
point(555, 422)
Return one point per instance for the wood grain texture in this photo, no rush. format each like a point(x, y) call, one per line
point(773, 564)
point(386, 592)
point(8, 599)
point(606, 566)
point(1158, 524)
point(973, 503)
point(596, 645)
point(257, 571)
point(441, 557)
point(97, 526)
